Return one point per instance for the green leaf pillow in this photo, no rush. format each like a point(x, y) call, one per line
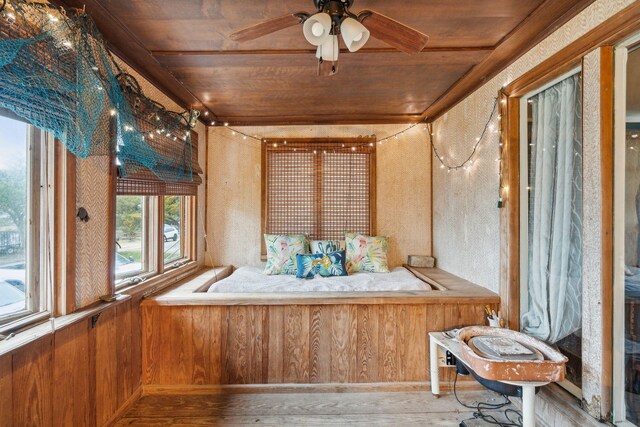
point(326, 246)
point(282, 251)
point(366, 253)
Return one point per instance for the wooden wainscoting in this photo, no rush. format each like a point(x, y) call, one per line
point(84, 374)
point(299, 344)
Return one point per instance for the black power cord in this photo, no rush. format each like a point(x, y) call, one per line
point(480, 406)
point(4, 3)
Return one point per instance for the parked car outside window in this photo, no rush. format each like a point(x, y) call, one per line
point(170, 233)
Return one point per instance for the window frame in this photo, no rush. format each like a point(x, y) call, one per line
point(155, 243)
point(39, 242)
point(148, 253)
point(370, 140)
point(185, 236)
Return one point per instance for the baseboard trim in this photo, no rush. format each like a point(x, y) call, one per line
point(125, 407)
point(302, 388)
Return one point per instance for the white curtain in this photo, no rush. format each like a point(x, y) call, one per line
point(555, 213)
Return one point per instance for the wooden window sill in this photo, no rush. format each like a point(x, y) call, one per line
point(52, 325)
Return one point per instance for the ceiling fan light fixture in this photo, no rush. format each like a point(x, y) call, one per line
point(354, 34)
point(329, 49)
point(317, 28)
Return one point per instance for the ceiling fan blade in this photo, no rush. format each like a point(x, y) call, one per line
point(393, 32)
point(268, 27)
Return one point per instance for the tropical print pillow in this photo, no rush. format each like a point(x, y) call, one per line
point(282, 251)
point(326, 246)
point(366, 253)
point(325, 265)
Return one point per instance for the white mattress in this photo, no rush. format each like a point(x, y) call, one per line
point(252, 279)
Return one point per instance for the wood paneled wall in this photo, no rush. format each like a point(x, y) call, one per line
point(81, 375)
point(301, 344)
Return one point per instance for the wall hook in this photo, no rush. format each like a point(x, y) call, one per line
point(83, 215)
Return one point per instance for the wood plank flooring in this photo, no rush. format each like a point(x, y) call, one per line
point(416, 408)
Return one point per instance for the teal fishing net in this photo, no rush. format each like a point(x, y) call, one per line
point(56, 73)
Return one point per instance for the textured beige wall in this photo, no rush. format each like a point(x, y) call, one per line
point(93, 242)
point(466, 224)
point(591, 238)
point(403, 189)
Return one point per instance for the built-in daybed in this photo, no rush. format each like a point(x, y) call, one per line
point(211, 339)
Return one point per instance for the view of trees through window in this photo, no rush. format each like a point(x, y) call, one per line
point(173, 248)
point(131, 225)
point(13, 216)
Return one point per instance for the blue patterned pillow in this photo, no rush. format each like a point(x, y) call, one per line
point(331, 264)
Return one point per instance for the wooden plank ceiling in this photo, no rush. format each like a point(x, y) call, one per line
point(183, 47)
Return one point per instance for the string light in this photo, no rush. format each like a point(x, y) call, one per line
point(469, 160)
point(465, 165)
point(428, 127)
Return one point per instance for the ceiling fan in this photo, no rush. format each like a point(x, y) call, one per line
point(333, 17)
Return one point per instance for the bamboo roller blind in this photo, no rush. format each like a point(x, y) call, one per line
point(144, 183)
point(319, 187)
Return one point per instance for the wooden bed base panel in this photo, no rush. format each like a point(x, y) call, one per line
point(296, 344)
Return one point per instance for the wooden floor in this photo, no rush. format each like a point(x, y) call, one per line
point(396, 409)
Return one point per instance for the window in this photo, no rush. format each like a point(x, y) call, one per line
point(551, 218)
point(24, 286)
point(132, 236)
point(320, 187)
point(626, 210)
point(145, 245)
point(174, 228)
